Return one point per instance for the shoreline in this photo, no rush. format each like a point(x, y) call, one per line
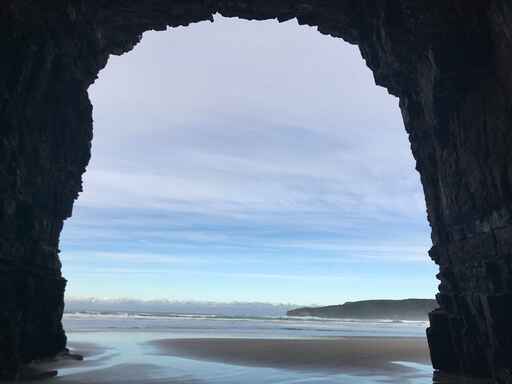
point(351, 360)
point(77, 355)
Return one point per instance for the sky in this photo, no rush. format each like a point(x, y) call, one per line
point(247, 161)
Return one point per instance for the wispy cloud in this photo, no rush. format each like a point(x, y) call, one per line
point(245, 145)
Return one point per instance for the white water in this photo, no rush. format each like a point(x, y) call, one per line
point(225, 326)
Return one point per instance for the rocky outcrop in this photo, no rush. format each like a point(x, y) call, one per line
point(448, 62)
point(408, 309)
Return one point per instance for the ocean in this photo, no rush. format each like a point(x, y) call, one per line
point(185, 325)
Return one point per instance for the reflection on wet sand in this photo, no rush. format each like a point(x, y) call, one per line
point(151, 358)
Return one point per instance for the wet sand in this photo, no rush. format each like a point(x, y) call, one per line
point(80, 355)
point(388, 360)
point(95, 357)
point(345, 355)
point(122, 374)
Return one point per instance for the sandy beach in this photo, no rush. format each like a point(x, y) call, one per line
point(201, 350)
point(347, 355)
point(348, 360)
point(325, 356)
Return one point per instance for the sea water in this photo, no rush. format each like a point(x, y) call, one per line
point(227, 326)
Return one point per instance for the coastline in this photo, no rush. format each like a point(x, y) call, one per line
point(148, 349)
point(158, 359)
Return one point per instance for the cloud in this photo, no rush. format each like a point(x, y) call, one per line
point(245, 141)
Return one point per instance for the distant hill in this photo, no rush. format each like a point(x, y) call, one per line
point(408, 309)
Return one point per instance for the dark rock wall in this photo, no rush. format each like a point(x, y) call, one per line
point(449, 62)
point(43, 152)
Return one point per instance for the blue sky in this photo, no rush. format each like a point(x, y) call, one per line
point(247, 161)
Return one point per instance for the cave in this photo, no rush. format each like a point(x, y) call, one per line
point(448, 62)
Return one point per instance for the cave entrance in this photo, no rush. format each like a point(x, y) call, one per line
point(447, 62)
point(247, 161)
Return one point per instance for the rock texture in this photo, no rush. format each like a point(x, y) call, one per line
point(408, 309)
point(448, 61)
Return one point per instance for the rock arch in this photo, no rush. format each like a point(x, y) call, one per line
point(448, 62)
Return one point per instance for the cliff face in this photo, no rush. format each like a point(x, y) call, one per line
point(408, 309)
point(448, 62)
